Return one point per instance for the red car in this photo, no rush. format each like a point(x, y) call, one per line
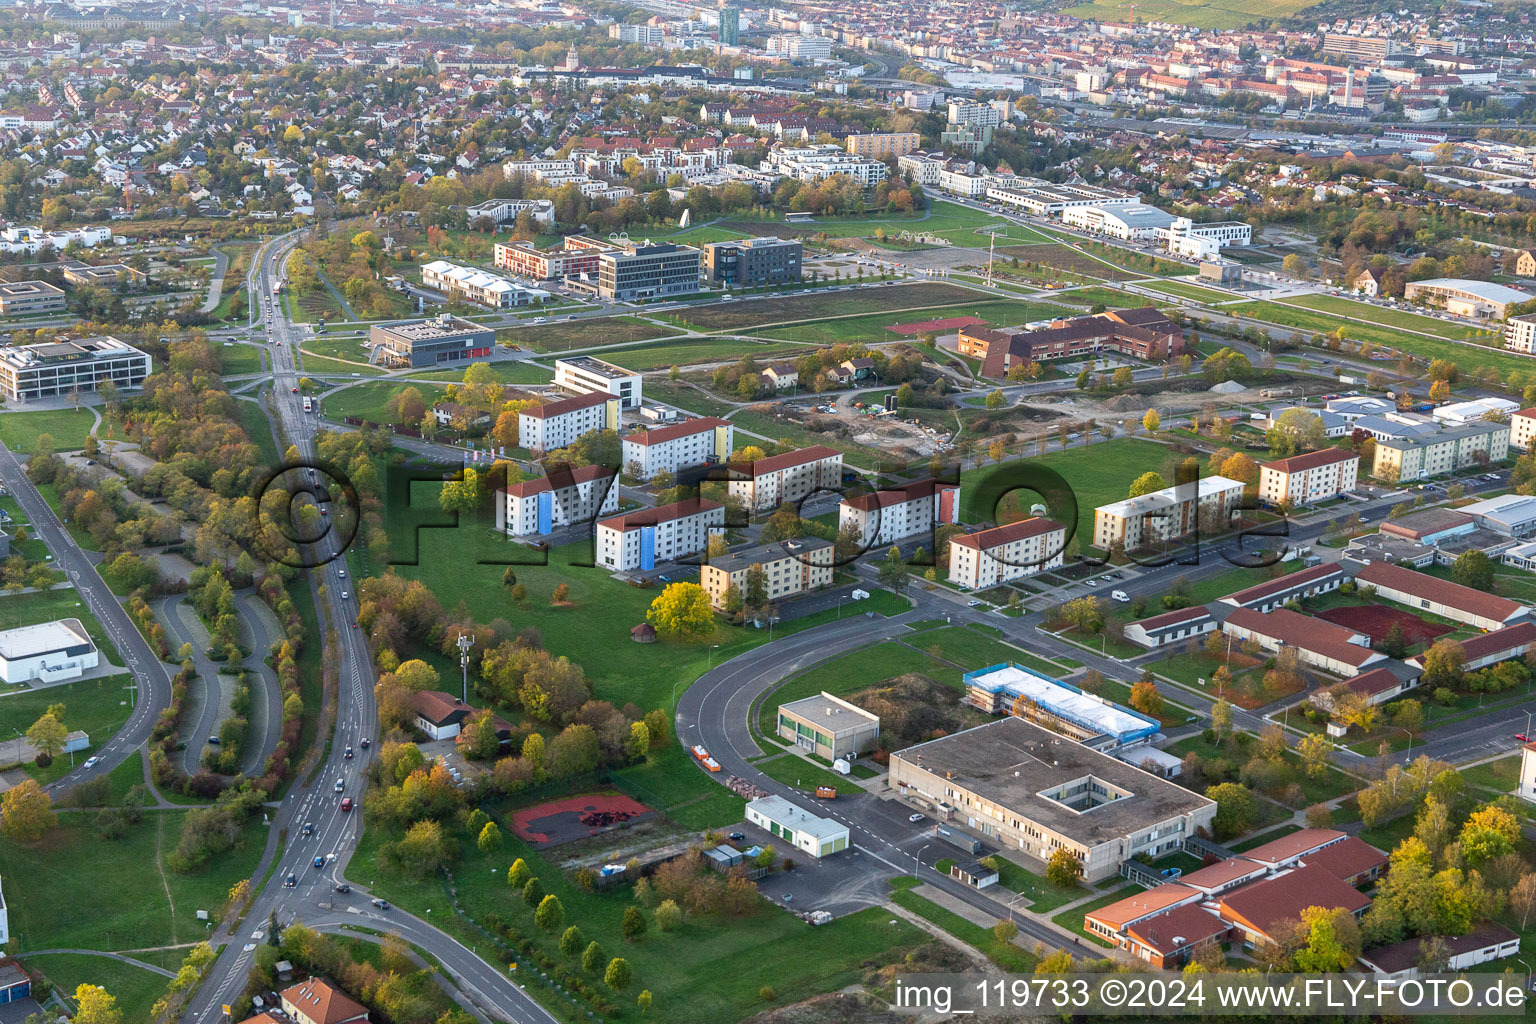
point(346, 803)
point(1522, 737)
point(295, 390)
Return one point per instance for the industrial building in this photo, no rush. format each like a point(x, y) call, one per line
point(105, 275)
point(60, 368)
point(814, 836)
point(556, 424)
point(1164, 515)
point(881, 518)
point(442, 339)
point(1480, 299)
point(751, 262)
point(771, 481)
point(533, 508)
point(1054, 200)
point(789, 567)
point(700, 441)
point(989, 557)
point(588, 375)
point(1013, 689)
point(640, 539)
point(23, 298)
point(648, 271)
point(48, 652)
point(1026, 788)
point(829, 726)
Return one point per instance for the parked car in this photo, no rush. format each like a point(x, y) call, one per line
point(737, 837)
point(382, 905)
point(972, 603)
point(1522, 737)
point(915, 818)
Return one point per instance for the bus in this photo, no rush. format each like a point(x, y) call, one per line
point(309, 404)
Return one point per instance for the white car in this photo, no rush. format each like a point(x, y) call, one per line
point(972, 603)
point(91, 762)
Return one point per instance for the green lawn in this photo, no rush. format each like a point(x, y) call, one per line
point(1403, 318)
point(1211, 14)
point(1502, 775)
point(369, 401)
point(1095, 294)
point(1188, 291)
point(968, 647)
point(519, 372)
point(794, 770)
point(68, 428)
point(709, 970)
point(755, 312)
point(45, 606)
point(852, 672)
point(657, 356)
point(872, 327)
point(1005, 954)
point(1072, 920)
point(588, 333)
point(1044, 897)
point(83, 891)
point(135, 988)
point(237, 359)
point(253, 418)
point(99, 706)
point(942, 217)
point(335, 367)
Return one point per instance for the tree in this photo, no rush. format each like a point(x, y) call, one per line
point(1146, 699)
point(894, 571)
point(669, 916)
point(618, 975)
point(94, 1005)
point(26, 812)
point(550, 914)
point(1151, 422)
point(633, 925)
point(592, 958)
point(1473, 569)
point(570, 943)
point(995, 399)
point(489, 840)
point(1443, 663)
point(1331, 944)
point(1319, 816)
point(1408, 715)
point(1490, 831)
point(1314, 749)
point(519, 873)
point(1004, 931)
point(1085, 613)
point(1522, 899)
point(48, 736)
point(1146, 484)
point(1063, 869)
point(682, 610)
point(533, 891)
point(1236, 809)
point(1221, 719)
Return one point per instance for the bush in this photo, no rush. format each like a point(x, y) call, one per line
point(767, 994)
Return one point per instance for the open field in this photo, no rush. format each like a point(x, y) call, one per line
point(943, 217)
point(1006, 955)
point(1094, 294)
point(1072, 920)
point(237, 359)
point(1188, 291)
point(852, 672)
point(660, 355)
point(30, 609)
point(369, 401)
point(68, 428)
point(98, 706)
point(518, 372)
point(1391, 317)
point(1216, 14)
point(871, 328)
point(566, 335)
point(135, 988)
point(314, 364)
point(747, 312)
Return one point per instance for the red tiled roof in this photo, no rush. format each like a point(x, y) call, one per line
point(538, 485)
point(1289, 581)
point(659, 514)
point(1452, 595)
point(1213, 876)
point(1143, 904)
point(774, 463)
point(1374, 681)
point(1294, 845)
point(1174, 617)
point(1528, 413)
point(1306, 633)
point(324, 1003)
point(1347, 860)
point(564, 405)
point(1505, 639)
point(1031, 527)
point(1264, 904)
point(1188, 924)
point(915, 491)
point(672, 432)
point(1310, 460)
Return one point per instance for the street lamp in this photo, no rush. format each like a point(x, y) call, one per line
point(464, 643)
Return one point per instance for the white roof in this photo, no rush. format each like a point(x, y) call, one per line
point(1080, 707)
point(1506, 508)
point(1475, 409)
point(43, 638)
point(776, 808)
point(1171, 495)
point(1486, 290)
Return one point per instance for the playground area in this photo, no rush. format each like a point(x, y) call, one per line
point(1375, 621)
point(576, 817)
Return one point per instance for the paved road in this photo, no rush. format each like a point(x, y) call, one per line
point(216, 281)
point(153, 679)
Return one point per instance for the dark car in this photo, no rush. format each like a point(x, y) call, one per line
point(309, 828)
point(381, 904)
point(291, 881)
point(320, 861)
point(363, 742)
point(343, 888)
point(348, 754)
point(737, 837)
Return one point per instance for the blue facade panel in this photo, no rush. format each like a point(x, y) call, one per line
point(546, 512)
point(647, 548)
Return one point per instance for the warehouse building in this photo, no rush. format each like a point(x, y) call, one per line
point(1164, 515)
point(1063, 708)
point(48, 652)
point(442, 339)
point(1441, 597)
point(1510, 515)
point(989, 557)
point(62, 367)
point(1135, 222)
point(1027, 788)
point(789, 567)
point(677, 446)
point(1480, 299)
point(881, 518)
point(750, 262)
point(22, 298)
point(556, 424)
point(640, 539)
point(816, 837)
point(533, 508)
point(829, 727)
point(771, 481)
point(1309, 478)
point(586, 375)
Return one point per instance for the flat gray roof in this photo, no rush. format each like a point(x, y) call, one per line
point(833, 715)
point(1010, 762)
point(773, 551)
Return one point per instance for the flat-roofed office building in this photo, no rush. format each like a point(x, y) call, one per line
point(442, 339)
point(648, 272)
point(585, 375)
point(753, 261)
point(62, 367)
point(19, 298)
point(829, 726)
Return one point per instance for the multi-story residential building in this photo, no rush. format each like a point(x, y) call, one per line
point(753, 261)
point(556, 424)
point(730, 26)
point(771, 481)
point(1522, 427)
point(547, 265)
point(478, 286)
point(818, 162)
point(879, 518)
point(61, 368)
point(645, 35)
point(1520, 331)
point(21, 298)
point(648, 272)
point(1362, 48)
point(442, 339)
point(978, 115)
point(989, 557)
point(789, 567)
point(1306, 479)
point(924, 168)
point(677, 446)
point(588, 375)
point(1164, 515)
point(800, 47)
point(638, 540)
point(1402, 459)
point(533, 508)
point(506, 211)
point(883, 146)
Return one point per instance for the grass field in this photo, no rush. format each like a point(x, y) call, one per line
point(943, 217)
point(1095, 294)
point(254, 419)
point(1214, 14)
point(519, 372)
point(87, 892)
point(135, 988)
point(68, 428)
point(1005, 954)
point(368, 401)
point(852, 672)
point(45, 606)
point(1391, 317)
point(872, 327)
point(237, 359)
point(708, 970)
point(749, 312)
point(98, 706)
point(1072, 920)
point(659, 355)
point(1188, 291)
point(314, 364)
point(794, 770)
point(566, 335)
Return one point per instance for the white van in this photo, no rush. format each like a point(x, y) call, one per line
point(1121, 596)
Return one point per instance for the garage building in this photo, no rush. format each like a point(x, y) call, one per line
point(828, 726)
point(800, 828)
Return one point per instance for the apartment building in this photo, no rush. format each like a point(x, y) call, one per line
point(751, 262)
point(976, 115)
point(1164, 515)
point(638, 540)
point(59, 368)
point(880, 518)
point(677, 446)
point(468, 284)
point(648, 272)
point(1522, 427)
point(1403, 459)
point(645, 35)
point(20, 298)
point(547, 265)
point(884, 146)
point(800, 47)
point(534, 508)
point(588, 375)
point(1306, 479)
point(556, 424)
point(1520, 331)
point(771, 481)
point(818, 162)
point(789, 567)
point(989, 557)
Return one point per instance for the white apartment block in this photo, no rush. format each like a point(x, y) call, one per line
point(816, 163)
point(1164, 515)
point(693, 442)
point(639, 540)
point(881, 518)
point(800, 47)
point(994, 556)
point(1310, 478)
point(538, 169)
point(924, 168)
point(964, 183)
point(1522, 427)
point(586, 375)
point(1520, 333)
point(769, 482)
point(977, 115)
point(556, 424)
point(478, 286)
point(1402, 459)
point(533, 508)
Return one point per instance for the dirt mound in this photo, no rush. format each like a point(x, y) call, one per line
point(1126, 403)
point(912, 708)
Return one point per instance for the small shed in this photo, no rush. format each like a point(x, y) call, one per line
point(723, 857)
point(973, 873)
point(644, 633)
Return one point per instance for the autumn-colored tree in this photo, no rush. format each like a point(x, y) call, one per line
point(93, 1004)
point(1151, 421)
point(1146, 699)
point(48, 735)
point(1063, 869)
point(1147, 483)
point(26, 812)
point(682, 610)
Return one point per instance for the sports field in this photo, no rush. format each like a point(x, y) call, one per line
point(1194, 13)
point(781, 309)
